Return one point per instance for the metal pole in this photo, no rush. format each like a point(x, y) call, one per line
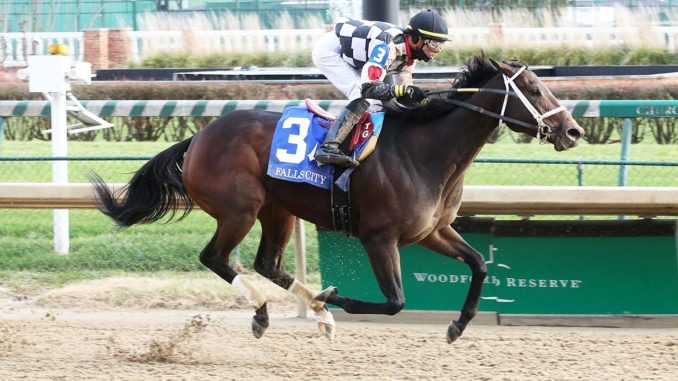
point(626, 143)
point(300, 261)
point(59, 168)
point(382, 10)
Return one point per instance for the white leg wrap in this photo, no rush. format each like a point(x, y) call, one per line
point(325, 317)
point(253, 296)
point(326, 324)
point(306, 294)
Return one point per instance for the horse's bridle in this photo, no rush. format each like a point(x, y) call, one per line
point(543, 130)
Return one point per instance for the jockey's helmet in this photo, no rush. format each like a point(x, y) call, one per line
point(431, 27)
point(428, 26)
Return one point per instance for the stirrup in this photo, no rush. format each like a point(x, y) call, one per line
point(326, 156)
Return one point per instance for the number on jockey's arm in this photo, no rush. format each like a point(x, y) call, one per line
point(374, 67)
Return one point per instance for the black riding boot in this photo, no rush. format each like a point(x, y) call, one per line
point(329, 151)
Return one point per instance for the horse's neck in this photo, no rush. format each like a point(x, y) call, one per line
point(463, 133)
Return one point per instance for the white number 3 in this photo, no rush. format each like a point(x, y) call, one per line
point(379, 54)
point(298, 140)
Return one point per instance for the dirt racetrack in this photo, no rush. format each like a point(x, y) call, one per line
point(53, 337)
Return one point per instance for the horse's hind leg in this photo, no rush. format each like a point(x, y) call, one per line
point(215, 256)
point(277, 226)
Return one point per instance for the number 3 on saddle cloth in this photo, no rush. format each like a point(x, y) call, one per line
point(298, 135)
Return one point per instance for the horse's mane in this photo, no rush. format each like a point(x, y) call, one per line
point(478, 70)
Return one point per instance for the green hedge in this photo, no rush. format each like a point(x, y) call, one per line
point(451, 56)
point(566, 56)
point(222, 60)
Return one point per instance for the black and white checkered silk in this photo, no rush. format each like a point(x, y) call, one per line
point(359, 37)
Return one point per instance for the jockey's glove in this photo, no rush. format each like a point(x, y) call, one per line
point(377, 90)
point(385, 92)
point(408, 93)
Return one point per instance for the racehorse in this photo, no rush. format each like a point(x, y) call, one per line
point(408, 191)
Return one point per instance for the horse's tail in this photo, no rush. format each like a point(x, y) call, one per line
point(155, 190)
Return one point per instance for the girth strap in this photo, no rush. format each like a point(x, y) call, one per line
point(340, 201)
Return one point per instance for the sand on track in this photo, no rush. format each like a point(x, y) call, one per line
point(52, 337)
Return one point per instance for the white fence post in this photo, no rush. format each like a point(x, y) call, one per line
point(51, 75)
point(300, 261)
point(60, 168)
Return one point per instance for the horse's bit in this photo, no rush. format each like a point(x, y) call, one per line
point(543, 130)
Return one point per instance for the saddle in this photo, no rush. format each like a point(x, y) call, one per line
point(362, 131)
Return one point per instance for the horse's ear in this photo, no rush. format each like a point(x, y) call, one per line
point(502, 67)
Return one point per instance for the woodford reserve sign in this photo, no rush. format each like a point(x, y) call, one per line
point(534, 267)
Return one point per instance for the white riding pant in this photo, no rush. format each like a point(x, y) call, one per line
point(346, 78)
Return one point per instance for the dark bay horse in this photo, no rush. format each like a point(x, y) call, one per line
point(408, 191)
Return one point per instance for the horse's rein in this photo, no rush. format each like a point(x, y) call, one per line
point(543, 130)
point(481, 110)
point(473, 90)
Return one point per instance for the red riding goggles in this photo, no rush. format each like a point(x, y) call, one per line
point(434, 45)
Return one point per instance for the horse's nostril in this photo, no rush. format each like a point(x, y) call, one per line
point(574, 133)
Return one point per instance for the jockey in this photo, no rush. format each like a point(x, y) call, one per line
point(358, 55)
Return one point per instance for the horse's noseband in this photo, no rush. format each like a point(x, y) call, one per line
point(543, 130)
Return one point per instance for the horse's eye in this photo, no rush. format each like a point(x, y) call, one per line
point(536, 92)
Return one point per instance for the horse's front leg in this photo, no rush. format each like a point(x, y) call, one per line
point(385, 261)
point(448, 242)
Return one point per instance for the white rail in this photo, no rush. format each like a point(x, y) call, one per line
point(477, 200)
point(14, 47)
point(145, 43)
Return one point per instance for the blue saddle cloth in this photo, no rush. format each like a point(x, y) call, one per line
point(297, 136)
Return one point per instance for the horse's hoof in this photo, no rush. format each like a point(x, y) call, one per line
point(453, 332)
point(326, 294)
point(326, 324)
point(327, 330)
point(260, 321)
point(259, 327)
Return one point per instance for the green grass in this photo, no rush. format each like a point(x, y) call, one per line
point(97, 245)
point(479, 174)
point(41, 171)
point(99, 249)
point(550, 174)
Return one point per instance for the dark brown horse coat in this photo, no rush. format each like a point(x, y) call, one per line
point(408, 191)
